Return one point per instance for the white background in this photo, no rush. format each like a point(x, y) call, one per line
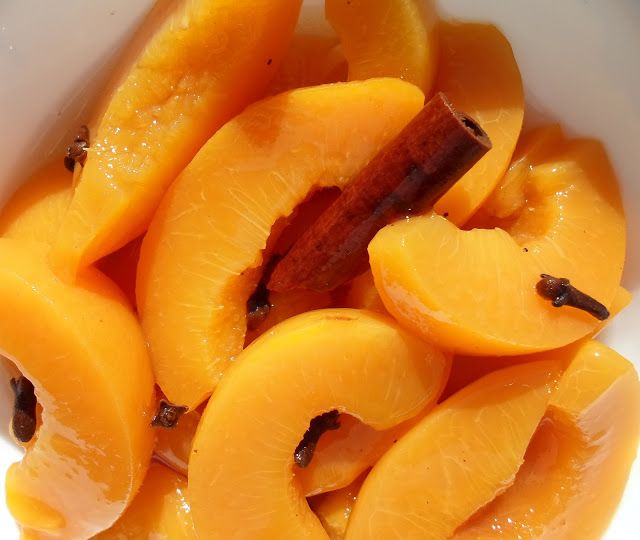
point(580, 61)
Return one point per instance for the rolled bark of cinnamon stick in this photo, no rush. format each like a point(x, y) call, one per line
point(426, 158)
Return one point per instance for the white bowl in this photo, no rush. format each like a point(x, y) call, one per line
point(580, 62)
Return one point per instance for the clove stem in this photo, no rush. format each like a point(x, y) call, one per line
point(562, 293)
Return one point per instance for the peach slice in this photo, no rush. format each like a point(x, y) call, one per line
point(340, 456)
point(534, 148)
point(311, 59)
point(361, 293)
point(287, 305)
point(36, 209)
point(35, 213)
point(83, 350)
point(436, 278)
point(200, 257)
point(479, 74)
point(457, 459)
point(343, 454)
point(336, 359)
point(164, 104)
point(466, 369)
point(121, 266)
point(334, 508)
point(577, 464)
point(383, 38)
point(159, 510)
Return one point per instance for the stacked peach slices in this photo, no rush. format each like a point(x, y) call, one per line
point(287, 284)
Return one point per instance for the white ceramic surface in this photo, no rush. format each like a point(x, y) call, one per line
point(580, 61)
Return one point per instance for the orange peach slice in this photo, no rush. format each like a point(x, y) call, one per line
point(340, 456)
point(35, 213)
point(160, 510)
point(287, 305)
point(457, 459)
point(534, 148)
point(311, 59)
point(343, 454)
point(479, 74)
point(83, 350)
point(577, 464)
point(336, 359)
point(334, 508)
point(387, 38)
point(121, 266)
point(361, 293)
point(203, 64)
point(466, 369)
point(36, 209)
point(436, 278)
point(200, 257)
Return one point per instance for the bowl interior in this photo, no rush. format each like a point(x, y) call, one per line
point(578, 59)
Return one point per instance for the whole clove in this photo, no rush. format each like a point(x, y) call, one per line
point(77, 152)
point(168, 415)
point(319, 425)
point(259, 305)
point(562, 293)
point(23, 423)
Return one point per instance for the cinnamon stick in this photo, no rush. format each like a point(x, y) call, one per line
point(428, 156)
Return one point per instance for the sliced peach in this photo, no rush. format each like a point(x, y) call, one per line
point(173, 446)
point(334, 508)
point(337, 359)
point(361, 293)
point(340, 456)
point(199, 259)
point(436, 278)
point(466, 369)
point(36, 209)
point(287, 305)
point(83, 350)
point(343, 454)
point(203, 64)
point(311, 59)
point(383, 38)
point(458, 458)
point(479, 74)
point(160, 510)
point(536, 147)
point(121, 266)
point(577, 464)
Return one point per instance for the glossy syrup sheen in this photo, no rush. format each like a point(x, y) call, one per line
point(350, 360)
point(92, 448)
point(215, 221)
point(419, 264)
point(577, 463)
